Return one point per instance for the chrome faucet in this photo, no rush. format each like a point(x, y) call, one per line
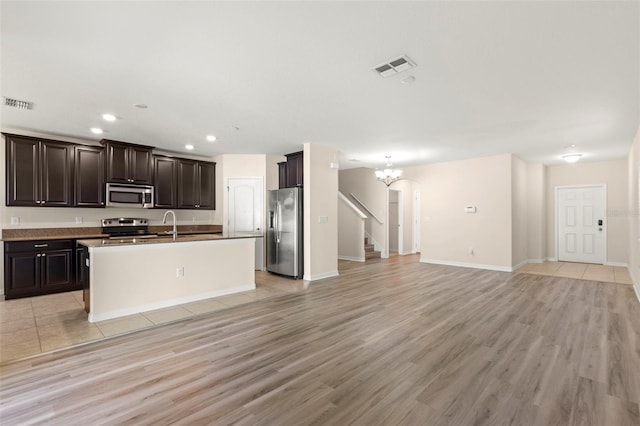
point(174, 233)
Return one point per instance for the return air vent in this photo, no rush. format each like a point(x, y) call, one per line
point(15, 103)
point(395, 66)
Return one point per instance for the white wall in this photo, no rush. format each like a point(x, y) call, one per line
point(633, 210)
point(519, 212)
point(447, 232)
point(350, 233)
point(320, 212)
point(536, 212)
point(612, 173)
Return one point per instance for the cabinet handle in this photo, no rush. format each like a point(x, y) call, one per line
point(38, 255)
point(44, 254)
point(42, 201)
point(37, 201)
point(40, 245)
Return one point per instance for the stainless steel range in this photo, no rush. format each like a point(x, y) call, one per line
point(126, 227)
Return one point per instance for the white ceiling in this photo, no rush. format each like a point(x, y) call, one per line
point(528, 78)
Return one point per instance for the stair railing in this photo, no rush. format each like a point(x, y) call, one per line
point(367, 209)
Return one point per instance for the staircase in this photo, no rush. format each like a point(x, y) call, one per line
point(369, 252)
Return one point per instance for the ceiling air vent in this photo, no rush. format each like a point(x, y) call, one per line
point(395, 66)
point(15, 103)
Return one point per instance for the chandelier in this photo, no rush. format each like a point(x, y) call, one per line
point(388, 175)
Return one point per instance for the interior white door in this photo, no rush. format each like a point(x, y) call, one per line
point(245, 210)
point(581, 224)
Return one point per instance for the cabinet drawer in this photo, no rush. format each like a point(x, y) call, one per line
point(36, 245)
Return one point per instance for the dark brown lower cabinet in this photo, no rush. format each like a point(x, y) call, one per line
point(33, 268)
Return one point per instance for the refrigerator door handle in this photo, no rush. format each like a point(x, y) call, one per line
point(277, 220)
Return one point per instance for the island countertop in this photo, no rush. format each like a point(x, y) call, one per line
point(129, 241)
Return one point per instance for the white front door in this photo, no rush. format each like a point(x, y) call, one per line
point(581, 224)
point(245, 211)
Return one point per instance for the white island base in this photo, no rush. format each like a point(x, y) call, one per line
point(126, 280)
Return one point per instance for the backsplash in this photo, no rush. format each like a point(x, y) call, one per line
point(54, 217)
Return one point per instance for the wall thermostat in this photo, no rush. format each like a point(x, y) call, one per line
point(470, 209)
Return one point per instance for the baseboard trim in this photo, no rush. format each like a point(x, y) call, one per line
point(167, 303)
point(620, 264)
point(467, 265)
point(322, 276)
point(351, 258)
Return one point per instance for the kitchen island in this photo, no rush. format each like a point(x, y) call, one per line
point(130, 276)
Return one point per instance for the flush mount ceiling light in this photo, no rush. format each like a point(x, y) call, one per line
point(16, 103)
point(97, 130)
point(189, 147)
point(211, 138)
point(108, 117)
point(388, 175)
point(395, 66)
point(571, 158)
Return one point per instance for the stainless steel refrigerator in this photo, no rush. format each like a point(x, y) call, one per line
point(284, 232)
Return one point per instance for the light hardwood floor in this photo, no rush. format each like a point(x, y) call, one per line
point(388, 342)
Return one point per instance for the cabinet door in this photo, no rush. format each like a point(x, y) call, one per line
point(187, 184)
point(23, 188)
point(56, 167)
point(282, 175)
point(57, 270)
point(140, 165)
point(89, 176)
point(165, 182)
point(207, 186)
point(294, 169)
point(22, 274)
point(117, 163)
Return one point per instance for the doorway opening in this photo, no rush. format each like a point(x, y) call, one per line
point(394, 222)
point(245, 210)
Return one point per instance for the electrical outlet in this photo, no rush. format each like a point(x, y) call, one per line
point(180, 272)
point(78, 220)
point(470, 251)
point(323, 219)
point(15, 220)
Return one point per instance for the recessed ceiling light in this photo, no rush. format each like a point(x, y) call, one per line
point(571, 158)
point(211, 138)
point(141, 106)
point(108, 117)
point(96, 130)
point(189, 147)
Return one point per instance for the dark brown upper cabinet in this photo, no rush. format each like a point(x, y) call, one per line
point(89, 176)
point(282, 175)
point(39, 172)
point(128, 163)
point(196, 184)
point(165, 182)
point(294, 170)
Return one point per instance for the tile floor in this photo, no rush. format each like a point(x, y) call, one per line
point(610, 274)
point(41, 324)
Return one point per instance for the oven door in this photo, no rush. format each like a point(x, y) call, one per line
point(121, 195)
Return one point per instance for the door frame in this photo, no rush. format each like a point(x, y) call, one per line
point(415, 247)
point(556, 215)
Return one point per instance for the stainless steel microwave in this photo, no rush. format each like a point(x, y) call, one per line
point(128, 195)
